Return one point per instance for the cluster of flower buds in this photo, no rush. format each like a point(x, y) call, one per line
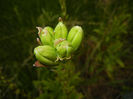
point(57, 45)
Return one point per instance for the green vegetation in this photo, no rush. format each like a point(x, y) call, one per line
point(101, 68)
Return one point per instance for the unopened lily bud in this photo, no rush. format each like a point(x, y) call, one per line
point(60, 30)
point(46, 55)
point(75, 36)
point(64, 50)
point(57, 41)
point(50, 30)
point(46, 35)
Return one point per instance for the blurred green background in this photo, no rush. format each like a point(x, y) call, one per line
point(101, 69)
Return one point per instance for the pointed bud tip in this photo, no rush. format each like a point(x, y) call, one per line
point(60, 19)
point(34, 65)
point(39, 30)
point(38, 64)
point(38, 41)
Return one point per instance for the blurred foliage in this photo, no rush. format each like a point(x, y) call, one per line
point(101, 68)
point(58, 83)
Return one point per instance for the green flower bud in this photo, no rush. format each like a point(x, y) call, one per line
point(64, 50)
point(46, 35)
point(60, 30)
point(75, 36)
point(46, 55)
point(57, 41)
point(50, 30)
